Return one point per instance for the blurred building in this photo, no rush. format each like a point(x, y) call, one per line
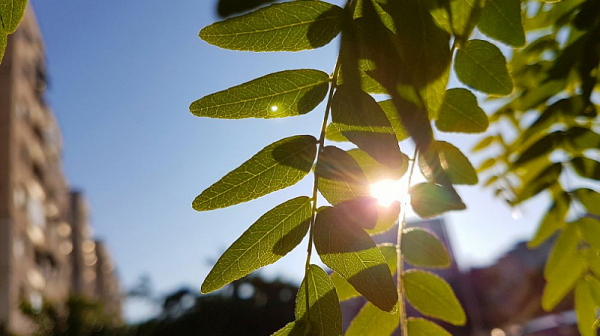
point(39, 238)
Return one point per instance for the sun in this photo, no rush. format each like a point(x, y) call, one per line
point(388, 191)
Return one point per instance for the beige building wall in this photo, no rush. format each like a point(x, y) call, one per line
point(34, 234)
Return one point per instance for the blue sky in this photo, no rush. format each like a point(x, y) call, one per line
point(123, 74)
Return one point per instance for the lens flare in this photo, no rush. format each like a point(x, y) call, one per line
point(389, 191)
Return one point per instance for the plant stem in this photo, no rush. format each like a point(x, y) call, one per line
point(400, 267)
point(316, 180)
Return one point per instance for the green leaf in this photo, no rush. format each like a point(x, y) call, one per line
point(271, 237)
point(367, 213)
point(422, 248)
point(564, 248)
point(580, 139)
point(277, 166)
point(453, 162)
point(340, 177)
point(11, 12)
point(586, 168)
point(590, 199)
point(553, 220)
point(424, 51)
point(296, 328)
point(543, 146)
point(325, 313)
point(371, 321)
point(484, 143)
point(590, 231)
point(289, 26)
point(593, 259)
point(433, 297)
point(3, 43)
point(547, 178)
point(564, 267)
point(481, 65)
point(585, 307)
point(501, 20)
point(487, 164)
point(281, 94)
point(429, 200)
point(363, 122)
point(344, 289)
point(461, 113)
point(423, 327)
point(375, 171)
point(390, 111)
point(348, 250)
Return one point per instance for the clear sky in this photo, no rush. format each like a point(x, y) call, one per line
point(123, 74)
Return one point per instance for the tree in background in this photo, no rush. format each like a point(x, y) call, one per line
point(405, 51)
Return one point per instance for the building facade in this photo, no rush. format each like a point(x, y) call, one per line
point(37, 241)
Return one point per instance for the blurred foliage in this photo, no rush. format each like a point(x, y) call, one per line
point(79, 316)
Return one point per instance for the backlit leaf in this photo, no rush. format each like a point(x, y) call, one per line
point(585, 307)
point(433, 296)
point(453, 162)
point(484, 143)
point(590, 231)
point(481, 65)
point(423, 327)
point(281, 94)
point(348, 250)
point(296, 328)
point(372, 321)
point(565, 266)
point(363, 122)
point(289, 26)
point(421, 248)
point(542, 181)
point(581, 138)
point(271, 237)
point(375, 171)
point(11, 12)
point(501, 20)
point(586, 167)
point(325, 313)
point(367, 213)
point(543, 146)
point(590, 200)
point(429, 200)
point(461, 113)
point(553, 220)
point(3, 43)
point(340, 177)
point(277, 166)
point(344, 289)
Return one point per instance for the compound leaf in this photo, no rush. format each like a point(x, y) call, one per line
point(270, 238)
point(289, 26)
point(277, 166)
point(281, 94)
point(553, 220)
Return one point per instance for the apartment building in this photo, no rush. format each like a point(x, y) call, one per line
point(46, 249)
